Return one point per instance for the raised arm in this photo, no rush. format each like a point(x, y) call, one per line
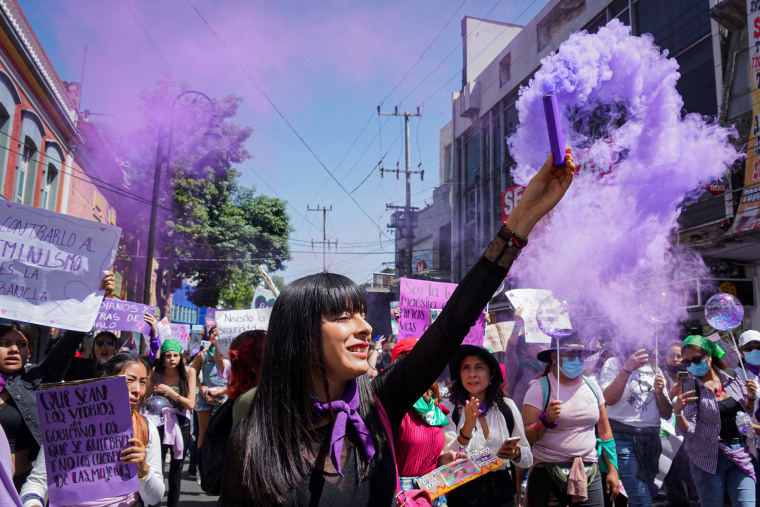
point(408, 380)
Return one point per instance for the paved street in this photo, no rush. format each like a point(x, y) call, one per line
point(192, 495)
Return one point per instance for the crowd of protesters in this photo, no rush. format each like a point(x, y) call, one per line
point(320, 413)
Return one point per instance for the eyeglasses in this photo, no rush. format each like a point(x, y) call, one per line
point(573, 354)
point(694, 360)
point(107, 343)
point(673, 357)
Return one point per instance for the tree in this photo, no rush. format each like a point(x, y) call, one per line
point(210, 230)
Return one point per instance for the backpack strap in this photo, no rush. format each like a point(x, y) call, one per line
point(387, 425)
point(592, 386)
point(545, 391)
point(508, 415)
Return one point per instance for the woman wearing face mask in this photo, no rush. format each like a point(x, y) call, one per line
point(636, 400)
point(144, 449)
point(749, 348)
point(560, 423)
point(714, 412)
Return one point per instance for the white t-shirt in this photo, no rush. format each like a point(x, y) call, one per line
point(574, 435)
point(637, 406)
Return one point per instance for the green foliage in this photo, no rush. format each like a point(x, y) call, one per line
point(211, 231)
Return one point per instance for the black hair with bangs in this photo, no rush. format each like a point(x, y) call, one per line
point(275, 447)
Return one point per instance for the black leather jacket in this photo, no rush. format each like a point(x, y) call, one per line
point(23, 386)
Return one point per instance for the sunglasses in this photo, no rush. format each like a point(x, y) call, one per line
point(695, 360)
point(573, 354)
point(107, 343)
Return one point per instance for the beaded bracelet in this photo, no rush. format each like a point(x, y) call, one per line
point(147, 473)
point(512, 237)
point(545, 421)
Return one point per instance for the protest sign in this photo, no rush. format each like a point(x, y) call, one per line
point(262, 297)
point(232, 323)
point(52, 265)
point(118, 315)
point(394, 322)
point(420, 299)
point(459, 472)
point(85, 426)
point(528, 300)
point(181, 332)
point(164, 329)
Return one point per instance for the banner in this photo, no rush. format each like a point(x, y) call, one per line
point(528, 300)
point(181, 332)
point(85, 426)
point(118, 315)
point(419, 301)
point(262, 297)
point(232, 323)
point(748, 214)
point(52, 265)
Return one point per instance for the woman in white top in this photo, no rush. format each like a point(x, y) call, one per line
point(479, 413)
point(145, 451)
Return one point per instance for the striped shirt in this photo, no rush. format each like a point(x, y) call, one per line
point(702, 436)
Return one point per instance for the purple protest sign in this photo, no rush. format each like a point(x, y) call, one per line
point(181, 332)
point(418, 298)
point(85, 426)
point(118, 315)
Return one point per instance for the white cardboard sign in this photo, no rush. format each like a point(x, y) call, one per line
point(232, 323)
point(52, 265)
point(528, 300)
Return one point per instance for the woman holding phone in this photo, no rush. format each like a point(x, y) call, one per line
point(712, 406)
point(483, 417)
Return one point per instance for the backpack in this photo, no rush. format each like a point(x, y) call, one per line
point(213, 453)
point(545, 390)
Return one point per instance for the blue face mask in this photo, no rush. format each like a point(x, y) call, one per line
point(752, 357)
point(699, 369)
point(572, 367)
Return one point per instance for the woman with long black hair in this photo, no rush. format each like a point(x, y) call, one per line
point(172, 380)
point(483, 417)
point(316, 433)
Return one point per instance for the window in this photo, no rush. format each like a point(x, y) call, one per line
point(49, 186)
point(9, 98)
point(697, 83)
point(596, 23)
point(675, 24)
point(621, 11)
point(22, 172)
point(472, 161)
point(447, 164)
point(497, 143)
point(470, 207)
point(740, 100)
point(504, 69)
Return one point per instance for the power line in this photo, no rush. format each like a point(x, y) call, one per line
point(284, 119)
point(152, 43)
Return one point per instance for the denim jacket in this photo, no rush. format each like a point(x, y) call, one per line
point(23, 386)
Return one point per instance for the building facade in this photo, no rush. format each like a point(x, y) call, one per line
point(712, 52)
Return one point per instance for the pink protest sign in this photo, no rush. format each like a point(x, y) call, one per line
point(419, 302)
point(85, 426)
point(181, 332)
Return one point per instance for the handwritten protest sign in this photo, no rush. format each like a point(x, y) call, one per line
point(181, 332)
point(85, 426)
point(118, 315)
point(262, 297)
point(419, 299)
point(51, 266)
point(164, 329)
point(528, 300)
point(232, 323)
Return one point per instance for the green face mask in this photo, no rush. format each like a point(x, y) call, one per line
point(430, 413)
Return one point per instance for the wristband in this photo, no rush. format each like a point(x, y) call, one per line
point(545, 421)
point(628, 372)
point(511, 237)
point(147, 473)
point(678, 414)
point(464, 437)
point(32, 496)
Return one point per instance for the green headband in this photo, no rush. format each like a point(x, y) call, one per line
point(709, 346)
point(171, 345)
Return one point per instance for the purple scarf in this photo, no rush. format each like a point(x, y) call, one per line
point(3, 379)
point(346, 410)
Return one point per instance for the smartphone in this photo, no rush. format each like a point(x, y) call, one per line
point(204, 343)
point(511, 440)
point(688, 383)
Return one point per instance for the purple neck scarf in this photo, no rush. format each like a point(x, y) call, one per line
point(482, 409)
point(3, 379)
point(346, 410)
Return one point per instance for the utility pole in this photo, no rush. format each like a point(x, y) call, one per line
point(324, 211)
point(407, 261)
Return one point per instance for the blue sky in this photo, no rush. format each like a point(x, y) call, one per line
point(325, 65)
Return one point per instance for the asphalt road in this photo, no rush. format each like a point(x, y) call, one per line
point(191, 494)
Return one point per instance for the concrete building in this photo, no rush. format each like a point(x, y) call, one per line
point(709, 41)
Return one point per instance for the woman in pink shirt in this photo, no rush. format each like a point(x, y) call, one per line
point(565, 470)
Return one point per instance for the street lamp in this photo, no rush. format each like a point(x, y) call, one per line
point(212, 135)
